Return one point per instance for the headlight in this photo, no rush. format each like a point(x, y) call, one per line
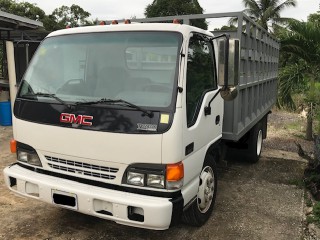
point(135, 178)
point(156, 181)
point(155, 175)
point(145, 175)
point(28, 157)
point(148, 180)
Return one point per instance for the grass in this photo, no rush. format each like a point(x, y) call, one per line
point(315, 218)
point(308, 202)
point(297, 182)
point(296, 126)
point(313, 177)
point(299, 135)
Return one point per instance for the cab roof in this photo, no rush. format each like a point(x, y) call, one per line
point(170, 27)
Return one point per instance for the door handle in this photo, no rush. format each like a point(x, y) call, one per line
point(217, 119)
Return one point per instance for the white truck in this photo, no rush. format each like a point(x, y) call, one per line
point(127, 122)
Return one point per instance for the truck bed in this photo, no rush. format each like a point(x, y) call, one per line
point(257, 90)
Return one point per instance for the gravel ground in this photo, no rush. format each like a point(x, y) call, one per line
point(285, 130)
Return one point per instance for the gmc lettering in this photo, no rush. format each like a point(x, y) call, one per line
point(72, 118)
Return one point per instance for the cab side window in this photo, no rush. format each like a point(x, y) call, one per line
point(201, 75)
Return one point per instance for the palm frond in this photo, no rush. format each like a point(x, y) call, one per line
point(232, 21)
point(285, 4)
point(291, 80)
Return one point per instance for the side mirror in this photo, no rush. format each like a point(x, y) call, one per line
point(228, 68)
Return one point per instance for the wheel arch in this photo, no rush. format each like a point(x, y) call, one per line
point(215, 150)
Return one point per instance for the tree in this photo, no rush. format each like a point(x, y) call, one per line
point(226, 28)
point(6, 5)
point(162, 8)
point(59, 19)
point(29, 10)
point(301, 46)
point(69, 16)
point(23, 9)
point(266, 12)
point(314, 17)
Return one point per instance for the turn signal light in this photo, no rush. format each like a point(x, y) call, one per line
point(175, 172)
point(13, 146)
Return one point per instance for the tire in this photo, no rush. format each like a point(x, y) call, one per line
point(200, 210)
point(255, 143)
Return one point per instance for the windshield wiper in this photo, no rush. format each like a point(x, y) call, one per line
point(118, 102)
point(48, 95)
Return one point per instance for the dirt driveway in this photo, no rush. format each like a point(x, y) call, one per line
point(256, 201)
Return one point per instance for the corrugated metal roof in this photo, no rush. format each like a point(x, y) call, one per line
point(16, 28)
point(9, 22)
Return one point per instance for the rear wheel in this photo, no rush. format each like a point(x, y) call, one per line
point(200, 210)
point(255, 143)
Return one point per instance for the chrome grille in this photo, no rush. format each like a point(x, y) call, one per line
point(82, 168)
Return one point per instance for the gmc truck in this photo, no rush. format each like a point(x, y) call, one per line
point(127, 122)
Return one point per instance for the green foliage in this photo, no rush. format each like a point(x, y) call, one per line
point(308, 202)
point(266, 12)
point(59, 19)
point(315, 99)
point(291, 81)
point(226, 28)
point(310, 219)
point(315, 17)
point(72, 16)
point(300, 66)
point(23, 9)
point(303, 41)
point(161, 8)
point(314, 177)
point(316, 214)
point(297, 182)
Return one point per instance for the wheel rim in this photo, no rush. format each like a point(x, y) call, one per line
point(206, 189)
point(259, 142)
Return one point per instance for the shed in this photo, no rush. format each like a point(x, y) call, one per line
point(19, 38)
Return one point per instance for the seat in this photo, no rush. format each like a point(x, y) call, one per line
point(110, 82)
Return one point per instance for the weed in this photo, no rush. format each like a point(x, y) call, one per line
point(308, 202)
point(316, 209)
point(315, 218)
point(297, 182)
point(299, 135)
point(314, 177)
point(310, 219)
point(297, 126)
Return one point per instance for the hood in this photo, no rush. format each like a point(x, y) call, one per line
point(102, 146)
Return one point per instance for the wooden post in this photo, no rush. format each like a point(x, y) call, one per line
point(11, 71)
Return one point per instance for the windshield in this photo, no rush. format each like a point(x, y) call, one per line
point(137, 67)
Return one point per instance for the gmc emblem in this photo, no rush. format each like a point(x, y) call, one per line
point(72, 118)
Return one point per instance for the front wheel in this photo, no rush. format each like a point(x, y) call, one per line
point(200, 210)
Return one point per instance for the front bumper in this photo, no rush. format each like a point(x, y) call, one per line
point(122, 207)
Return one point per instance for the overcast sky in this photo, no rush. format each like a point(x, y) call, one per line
point(119, 9)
